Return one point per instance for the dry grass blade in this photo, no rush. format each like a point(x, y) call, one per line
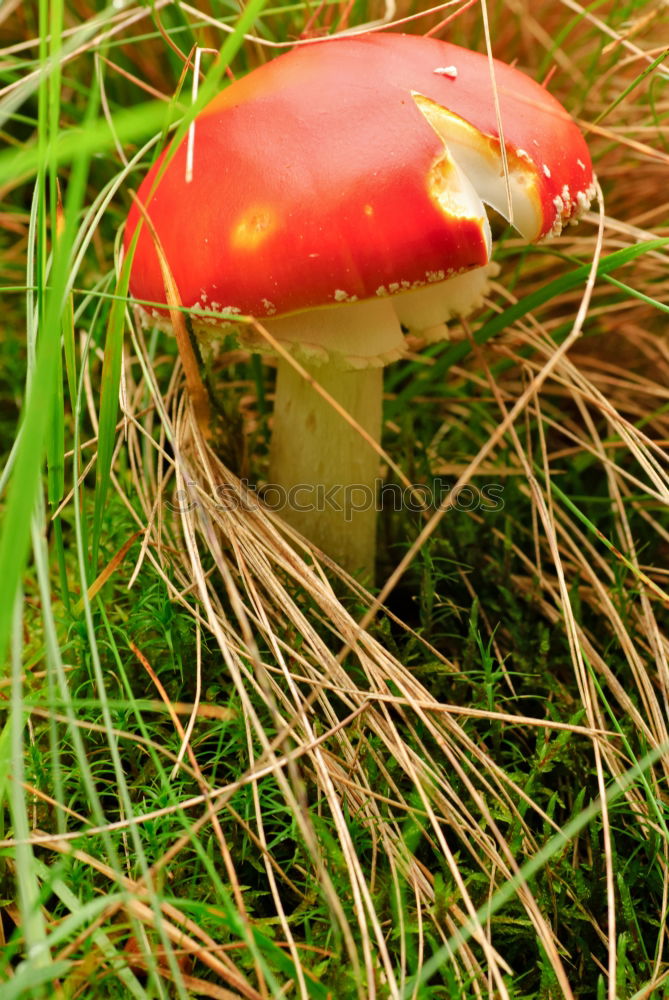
point(196, 388)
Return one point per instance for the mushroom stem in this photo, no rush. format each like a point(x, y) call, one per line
point(322, 470)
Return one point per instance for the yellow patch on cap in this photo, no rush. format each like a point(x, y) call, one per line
point(253, 227)
point(455, 198)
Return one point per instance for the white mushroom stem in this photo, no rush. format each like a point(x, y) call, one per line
point(322, 471)
point(322, 477)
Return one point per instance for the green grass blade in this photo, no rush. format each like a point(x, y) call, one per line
point(635, 83)
point(29, 980)
point(32, 920)
point(130, 124)
point(109, 390)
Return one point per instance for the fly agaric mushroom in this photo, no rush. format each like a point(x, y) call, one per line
point(337, 195)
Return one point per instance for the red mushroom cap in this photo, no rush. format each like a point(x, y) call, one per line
point(323, 177)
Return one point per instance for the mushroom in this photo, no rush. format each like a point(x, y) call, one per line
point(337, 194)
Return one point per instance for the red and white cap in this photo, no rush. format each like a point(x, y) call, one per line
point(356, 170)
